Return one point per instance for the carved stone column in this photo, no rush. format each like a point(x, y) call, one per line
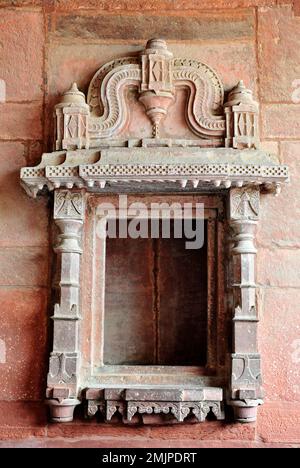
point(64, 360)
point(245, 392)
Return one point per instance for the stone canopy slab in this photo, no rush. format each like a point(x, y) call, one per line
point(145, 168)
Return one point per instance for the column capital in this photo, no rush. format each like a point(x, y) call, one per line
point(69, 204)
point(244, 204)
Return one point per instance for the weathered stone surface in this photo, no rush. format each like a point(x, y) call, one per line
point(225, 26)
point(21, 121)
point(8, 434)
point(278, 32)
point(275, 126)
point(272, 147)
point(124, 301)
point(17, 3)
point(279, 422)
point(34, 152)
point(70, 63)
point(21, 54)
point(136, 443)
point(233, 61)
point(156, 395)
point(278, 267)
point(24, 267)
point(23, 329)
point(285, 233)
point(208, 431)
point(77, 64)
point(93, 428)
point(100, 442)
point(19, 416)
point(21, 420)
point(140, 5)
point(182, 303)
point(280, 216)
point(24, 222)
point(279, 338)
point(289, 154)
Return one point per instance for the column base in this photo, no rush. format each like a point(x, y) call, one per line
point(62, 411)
point(245, 411)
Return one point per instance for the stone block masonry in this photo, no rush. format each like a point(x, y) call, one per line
point(43, 47)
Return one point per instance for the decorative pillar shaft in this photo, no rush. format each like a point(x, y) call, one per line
point(65, 357)
point(245, 392)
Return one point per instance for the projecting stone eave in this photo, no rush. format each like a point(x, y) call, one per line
point(159, 169)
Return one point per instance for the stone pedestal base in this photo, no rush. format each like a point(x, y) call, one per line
point(245, 411)
point(62, 411)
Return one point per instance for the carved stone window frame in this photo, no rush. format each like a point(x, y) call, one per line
point(95, 374)
point(94, 157)
point(94, 248)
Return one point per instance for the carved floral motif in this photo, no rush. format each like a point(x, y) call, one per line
point(92, 408)
point(113, 407)
point(180, 410)
point(62, 369)
point(246, 372)
point(68, 205)
point(244, 203)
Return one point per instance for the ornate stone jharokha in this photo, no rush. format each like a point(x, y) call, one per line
point(155, 125)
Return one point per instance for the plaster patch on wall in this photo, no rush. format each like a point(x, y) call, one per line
point(2, 352)
point(2, 91)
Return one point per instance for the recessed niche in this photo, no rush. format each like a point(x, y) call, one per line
point(155, 302)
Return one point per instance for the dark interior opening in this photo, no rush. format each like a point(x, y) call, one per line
point(155, 302)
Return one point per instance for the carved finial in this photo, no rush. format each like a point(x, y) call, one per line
point(74, 87)
point(241, 95)
point(157, 91)
point(158, 46)
point(73, 96)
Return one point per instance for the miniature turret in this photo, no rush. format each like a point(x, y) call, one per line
point(241, 119)
point(71, 120)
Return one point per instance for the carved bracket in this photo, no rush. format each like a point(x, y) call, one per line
point(178, 410)
point(178, 404)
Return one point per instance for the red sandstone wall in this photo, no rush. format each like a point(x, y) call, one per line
point(44, 46)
